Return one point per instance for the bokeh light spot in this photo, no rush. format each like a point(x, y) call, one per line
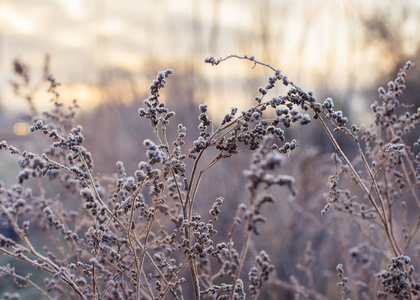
point(21, 128)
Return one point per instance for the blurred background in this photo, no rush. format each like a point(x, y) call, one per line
point(106, 50)
point(105, 53)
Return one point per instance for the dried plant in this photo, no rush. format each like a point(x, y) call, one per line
point(141, 235)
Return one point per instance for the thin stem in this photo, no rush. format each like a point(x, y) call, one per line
point(175, 277)
point(387, 219)
point(382, 215)
point(31, 249)
point(27, 280)
point(244, 252)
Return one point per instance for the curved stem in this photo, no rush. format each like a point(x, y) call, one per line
point(383, 215)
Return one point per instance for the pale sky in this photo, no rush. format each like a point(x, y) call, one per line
point(311, 41)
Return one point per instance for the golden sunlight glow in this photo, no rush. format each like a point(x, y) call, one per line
point(11, 18)
point(319, 44)
point(74, 8)
point(87, 96)
point(125, 60)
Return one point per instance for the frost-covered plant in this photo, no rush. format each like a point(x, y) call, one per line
point(140, 236)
